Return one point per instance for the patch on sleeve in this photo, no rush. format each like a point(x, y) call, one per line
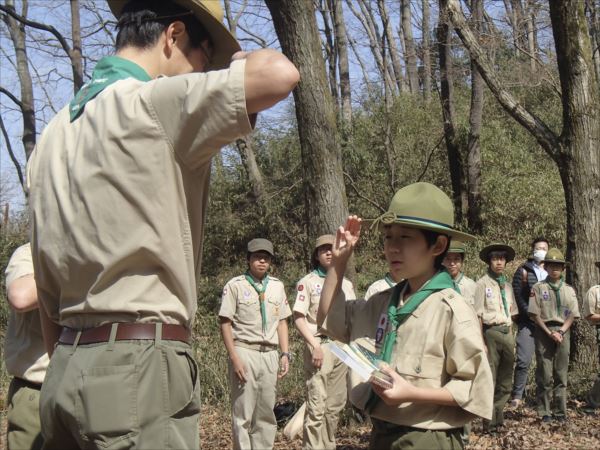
point(301, 298)
point(300, 287)
point(488, 292)
point(224, 291)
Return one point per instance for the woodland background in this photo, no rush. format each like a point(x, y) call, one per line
point(495, 102)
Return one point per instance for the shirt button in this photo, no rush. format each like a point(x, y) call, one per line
point(418, 369)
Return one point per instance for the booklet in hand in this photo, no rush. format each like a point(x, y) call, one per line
point(363, 361)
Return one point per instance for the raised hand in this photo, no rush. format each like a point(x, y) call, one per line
point(346, 239)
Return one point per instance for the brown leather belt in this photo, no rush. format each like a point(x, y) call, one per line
point(125, 332)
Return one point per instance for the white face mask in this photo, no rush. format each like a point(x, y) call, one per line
point(539, 255)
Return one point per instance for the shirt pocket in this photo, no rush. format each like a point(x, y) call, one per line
point(422, 370)
point(273, 310)
point(248, 309)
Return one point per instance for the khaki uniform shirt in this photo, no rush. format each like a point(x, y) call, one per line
point(488, 302)
point(439, 345)
point(240, 304)
point(542, 303)
point(24, 350)
point(591, 305)
point(118, 197)
point(467, 288)
point(308, 295)
point(377, 287)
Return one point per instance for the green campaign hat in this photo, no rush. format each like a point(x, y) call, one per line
point(554, 255)
point(485, 252)
point(425, 206)
point(457, 246)
point(210, 14)
point(259, 244)
point(326, 239)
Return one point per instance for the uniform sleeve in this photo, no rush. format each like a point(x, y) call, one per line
point(370, 292)
point(514, 309)
point(338, 321)
point(589, 303)
point(228, 301)
point(479, 297)
point(471, 383)
point(534, 301)
point(574, 304)
point(19, 265)
point(285, 310)
point(302, 297)
point(201, 112)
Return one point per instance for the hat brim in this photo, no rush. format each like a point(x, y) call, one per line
point(510, 252)
point(224, 43)
point(383, 220)
point(555, 261)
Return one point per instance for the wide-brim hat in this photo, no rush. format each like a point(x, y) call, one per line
point(457, 246)
point(424, 206)
point(555, 256)
point(326, 239)
point(260, 244)
point(485, 252)
point(210, 15)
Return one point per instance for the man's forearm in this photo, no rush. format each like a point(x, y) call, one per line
point(302, 326)
point(227, 334)
point(593, 319)
point(565, 327)
point(282, 334)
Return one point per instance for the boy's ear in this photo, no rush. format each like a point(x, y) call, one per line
point(441, 244)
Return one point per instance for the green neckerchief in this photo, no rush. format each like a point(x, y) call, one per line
point(556, 290)
point(389, 280)
point(397, 316)
point(460, 277)
point(108, 71)
point(320, 271)
point(501, 280)
point(260, 289)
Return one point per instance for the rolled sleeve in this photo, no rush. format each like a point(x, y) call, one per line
point(201, 112)
point(471, 383)
point(302, 298)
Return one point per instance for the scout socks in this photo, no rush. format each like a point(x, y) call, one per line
point(260, 289)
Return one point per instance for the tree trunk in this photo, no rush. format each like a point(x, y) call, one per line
point(594, 15)
point(330, 52)
point(341, 43)
point(392, 48)
point(255, 177)
point(17, 35)
point(574, 151)
point(473, 144)
point(426, 52)
point(296, 28)
point(75, 54)
point(411, 55)
point(447, 98)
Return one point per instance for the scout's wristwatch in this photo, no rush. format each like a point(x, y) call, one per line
point(289, 355)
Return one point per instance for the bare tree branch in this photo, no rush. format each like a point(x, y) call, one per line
point(11, 153)
point(13, 98)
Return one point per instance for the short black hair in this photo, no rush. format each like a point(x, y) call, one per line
point(431, 239)
point(497, 254)
point(539, 239)
point(143, 21)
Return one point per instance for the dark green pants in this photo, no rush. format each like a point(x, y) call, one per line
point(552, 361)
point(593, 397)
point(501, 354)
point(385, 435)
point(23, 417)
point(120, 395)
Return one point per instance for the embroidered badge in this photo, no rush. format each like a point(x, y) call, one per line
point(318, 289)
point(246, 294)
point(380, 332)
point(224, 291)
point(567, 312)
point(300, 287)
point(545, 295)
point(301, 298)
point(488, 292)
point(276, 311)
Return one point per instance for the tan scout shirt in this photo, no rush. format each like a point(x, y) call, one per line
point(377, 287)
point(308, 295)
point(544, 303)
point(488, 302)
point(467, 288)
point(24, 350)
point(240, 304)
point(118, 197)
point(591, 305)
point(439, 345)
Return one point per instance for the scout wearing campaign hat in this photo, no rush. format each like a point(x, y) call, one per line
point(210, 14)
point(465, 284)
point(591, 307)
point(401, 333)
point(253, 315)
point(553, 307)
point(484, 254)
point(325, 374)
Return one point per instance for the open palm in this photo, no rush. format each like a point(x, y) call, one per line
point(346, 238)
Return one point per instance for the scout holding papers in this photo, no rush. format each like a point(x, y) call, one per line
point(24, 354)
point(253, 316)
point(325, 374)
point(423, 329)
point(496, 306)
point(553, 307)
point(591, 312)
point(453, 262)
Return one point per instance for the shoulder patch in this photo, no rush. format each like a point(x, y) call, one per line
point(300, 287)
